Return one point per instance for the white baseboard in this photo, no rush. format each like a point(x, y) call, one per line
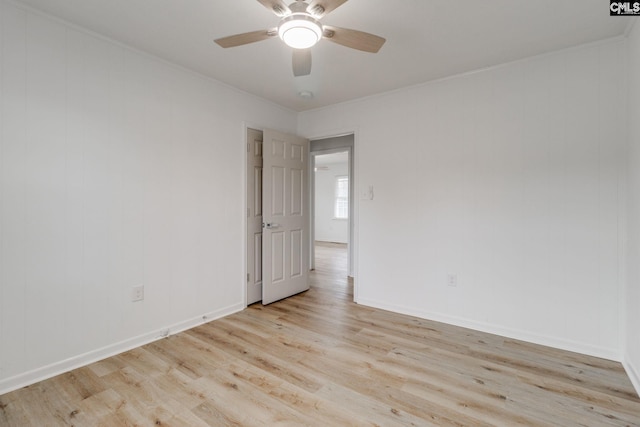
point(45, 372)
point(604, 353)
point(633, 373)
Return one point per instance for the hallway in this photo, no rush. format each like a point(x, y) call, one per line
point(331, 270)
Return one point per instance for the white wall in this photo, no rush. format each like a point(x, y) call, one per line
point(632, 354)
point(116, 170)
point(509, 178)
point(327, 228)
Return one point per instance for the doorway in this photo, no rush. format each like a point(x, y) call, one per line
point(332, 199)
point(280, 217)
point(331, 212)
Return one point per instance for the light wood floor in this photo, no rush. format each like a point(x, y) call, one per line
point(319, 359)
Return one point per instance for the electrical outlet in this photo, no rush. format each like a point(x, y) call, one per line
point(452, 280)
point(137, 293)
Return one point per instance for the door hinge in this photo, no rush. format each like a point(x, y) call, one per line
point(248, 147)
point(248, 277)
point(248, 212)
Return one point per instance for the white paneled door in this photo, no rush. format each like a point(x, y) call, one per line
point(254, 216)
point(285, 208)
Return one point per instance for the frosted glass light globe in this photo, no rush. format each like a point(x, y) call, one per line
point(300, 31)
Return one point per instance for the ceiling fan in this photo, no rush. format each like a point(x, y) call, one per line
point(300, 28)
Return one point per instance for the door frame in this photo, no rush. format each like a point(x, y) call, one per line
point(354, 155)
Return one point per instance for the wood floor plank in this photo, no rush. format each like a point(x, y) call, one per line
point(381, 413)
point(298, 406)
point(318, 359)
point(258, 358)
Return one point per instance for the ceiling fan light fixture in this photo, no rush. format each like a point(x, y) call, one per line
point(300, 31)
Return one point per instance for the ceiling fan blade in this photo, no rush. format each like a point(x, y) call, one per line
point(354, 39)
point(301, 62)
point(279, 7)
point(319, 8)
point(246, 38)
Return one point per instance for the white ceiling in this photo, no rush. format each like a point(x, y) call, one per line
point(426, 39)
